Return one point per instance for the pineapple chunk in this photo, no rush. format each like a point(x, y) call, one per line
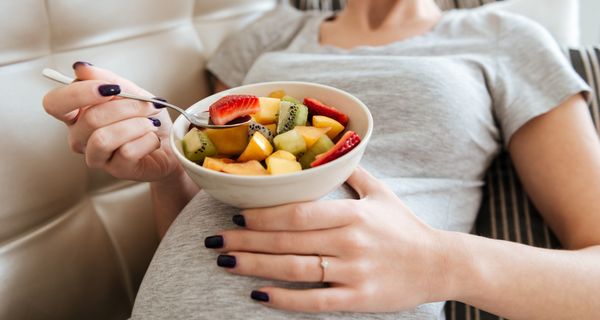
point(282, 154)
point(250, 168)
point(269, 107)
point(277, 165)
point(277, 94)
point(311, 134)
point(216, 164)
point(324, 122)
point(258, 148)
point(230, 141)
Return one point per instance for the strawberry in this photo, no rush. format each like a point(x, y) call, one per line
point(316, 107)
point(231, 107)
point(347, 142)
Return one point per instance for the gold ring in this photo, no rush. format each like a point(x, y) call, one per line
point(324, 264)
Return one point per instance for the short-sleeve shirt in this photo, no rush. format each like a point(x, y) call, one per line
point(444, 103)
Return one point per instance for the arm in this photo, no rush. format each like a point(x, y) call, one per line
point(557, 156)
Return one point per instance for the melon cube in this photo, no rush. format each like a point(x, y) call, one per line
point(311, 134)
point(290, 141)
point(282, 154)
point(216, 164)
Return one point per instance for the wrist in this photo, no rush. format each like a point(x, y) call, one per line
point(456, 267)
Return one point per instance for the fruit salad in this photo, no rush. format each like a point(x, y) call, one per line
point(285, 135)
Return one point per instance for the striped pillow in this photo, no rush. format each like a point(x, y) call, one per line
point(506, 212)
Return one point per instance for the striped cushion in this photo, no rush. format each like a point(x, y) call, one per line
point(506, 212)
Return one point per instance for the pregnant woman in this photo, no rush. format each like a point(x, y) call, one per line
point(447, 91)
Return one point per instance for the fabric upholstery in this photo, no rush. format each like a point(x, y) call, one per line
point(74, 242)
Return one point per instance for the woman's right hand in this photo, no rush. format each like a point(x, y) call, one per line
point(127, 138)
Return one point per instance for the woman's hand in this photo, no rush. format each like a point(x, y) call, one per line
point(124, 137)
point(380, 256)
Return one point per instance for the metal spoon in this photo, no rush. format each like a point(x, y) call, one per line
point(198, 120)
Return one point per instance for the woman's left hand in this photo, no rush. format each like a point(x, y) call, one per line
point(380, 256)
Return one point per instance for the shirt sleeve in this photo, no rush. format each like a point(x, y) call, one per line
point(235, 56)
point(533, 75)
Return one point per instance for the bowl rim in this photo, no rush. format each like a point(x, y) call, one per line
point(270, 178)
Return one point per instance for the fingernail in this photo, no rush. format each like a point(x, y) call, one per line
point(79, 63)
point(213, 242)
point(259, 296)
point(109, 90)
point(239, 220)
point(156, 105)
point(155, 122)
point(226, 261)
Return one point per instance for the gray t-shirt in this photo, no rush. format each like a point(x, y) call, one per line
point(444, 103)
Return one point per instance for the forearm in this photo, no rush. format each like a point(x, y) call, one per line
point(522, 282)
point(169, 196)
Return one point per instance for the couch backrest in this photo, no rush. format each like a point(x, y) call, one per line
point(74, 243)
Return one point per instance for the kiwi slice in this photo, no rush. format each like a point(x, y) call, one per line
point(255, 126)
point(321, 146)
point(197, 146)
point(291, 115)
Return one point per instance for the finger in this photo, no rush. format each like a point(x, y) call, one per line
point(284, 267)
point(63, 103)
point(90, 72)
point(106, 140)
point(304, 242)
point(301, 216)
point(96, 117)
point(364, 183)
point(129, 154)
point(308, 300)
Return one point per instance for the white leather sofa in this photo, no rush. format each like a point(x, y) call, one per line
point(74, 242)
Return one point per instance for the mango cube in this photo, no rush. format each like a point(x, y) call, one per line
point(249, 168)
point(277, 165)
point(229, 141)
point(325, 122)
point(216, 164)
point(259, 148)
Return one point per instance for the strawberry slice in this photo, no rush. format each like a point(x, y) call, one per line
point(347, 142)
point(319, 108)
point(231, 107)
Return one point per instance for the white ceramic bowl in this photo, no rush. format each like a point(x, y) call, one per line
point(265, 191)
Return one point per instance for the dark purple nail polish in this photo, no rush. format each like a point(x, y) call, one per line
point(156, 105)
point(259, 296)
point(109, 90)
point(213, 242)
point(155, 122)
point(226, 261)
point(239, 220)
point(80, 63)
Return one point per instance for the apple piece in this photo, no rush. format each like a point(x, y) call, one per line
point(311, 134)
point(249, 168)
point(269, 107)
point(326, 122)
point(229, 141)
point(216, 164)
point(259, 148)
point(277, 165)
